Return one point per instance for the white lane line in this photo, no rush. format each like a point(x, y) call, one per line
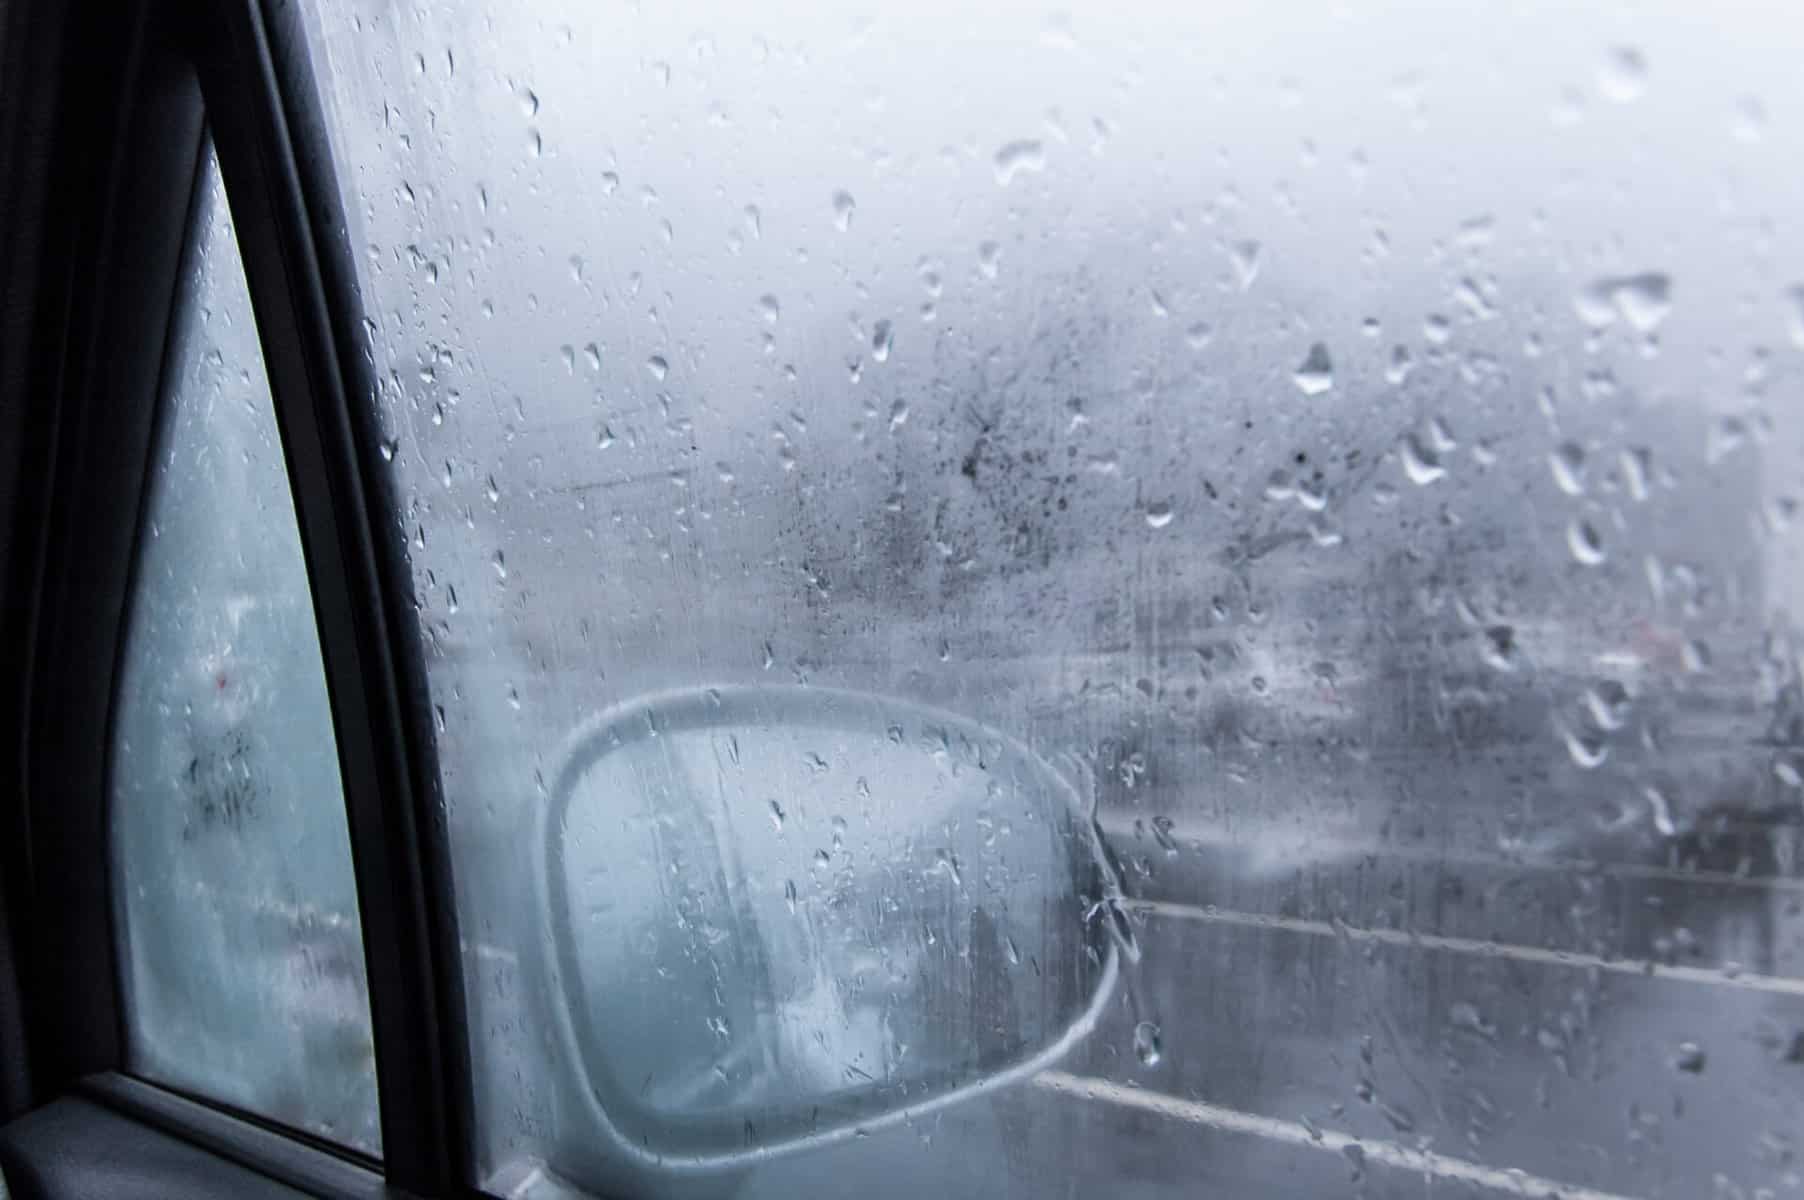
point(1326, 852)
point(1389, 1154)
point(1778, 984)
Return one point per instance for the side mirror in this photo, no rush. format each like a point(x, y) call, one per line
point(780, 915)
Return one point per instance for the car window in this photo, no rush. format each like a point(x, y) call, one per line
point(241, 952)
point(1062, 599)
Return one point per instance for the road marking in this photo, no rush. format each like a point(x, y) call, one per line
point(1294, 1133)
point(1778, 984)
point(1291, 852)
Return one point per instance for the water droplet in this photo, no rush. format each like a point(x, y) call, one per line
point(1725, 437)
point(389, 447)
point(1147, 1045)
point(769, 308)
point(1159, 514)
point(1018, 157)
point(1568, 465)
point(1586, 546)
point(1398, 369)
point(1622, 77)
point(1500, 647)
point(843, 207)
point(1199, 335)
point(1689, 1058)
point(1587, 750)
point(947, 865)
point(1608, 704)
point(535, 144)
point(1660, 810)
point(776, 814)
point(989, 259)
point(882, 338)
point(1316, 373)
point(1421, 464)
point(529, 102)
point(1441, 437)
point(500, 564)
point(1643, 300)
point(1245, 257)
point(513, 697)
point(657, 366)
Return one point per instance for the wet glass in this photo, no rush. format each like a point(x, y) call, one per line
point(1344, 460)
point(242, 956)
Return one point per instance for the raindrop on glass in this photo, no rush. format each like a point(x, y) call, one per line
point(1017, 157)
point(1643, 300)
point(1568, 465)
point(1622, 76)
point(1421, 464)
point(1315, 374)
point(989, 259)
point(1583, 540)
point(1245, 257)
point(1147, 1046)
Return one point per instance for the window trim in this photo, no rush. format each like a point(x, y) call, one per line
point(120, 241)
point(136, 86)
point(302, 289)
point(282, 1154)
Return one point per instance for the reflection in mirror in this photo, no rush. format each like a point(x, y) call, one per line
point(780, 912)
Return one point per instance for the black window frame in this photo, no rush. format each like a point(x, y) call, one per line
point(135, 83)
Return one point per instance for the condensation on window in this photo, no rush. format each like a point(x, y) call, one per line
point(1082, 599)
point(242, 956)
